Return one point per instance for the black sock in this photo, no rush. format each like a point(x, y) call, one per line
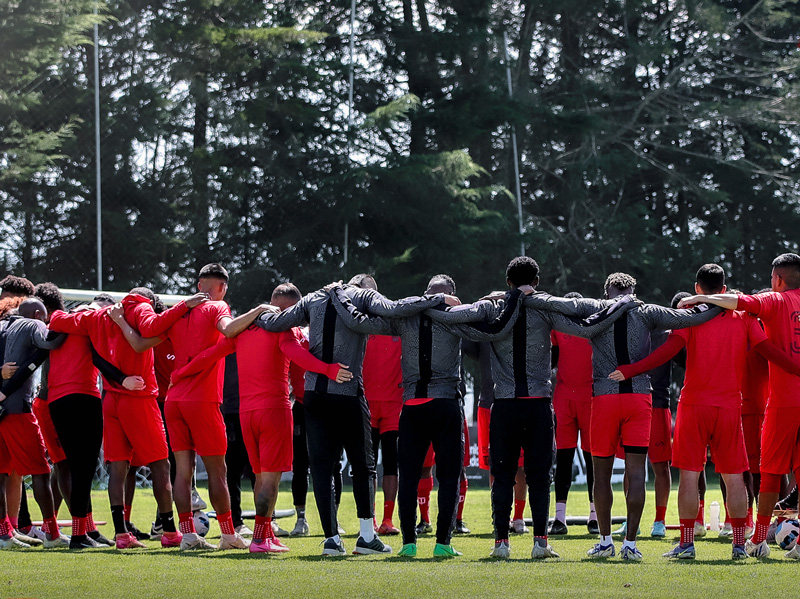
point(168, 521)
point(157, 523)
point(118, 516)
point(301, 513)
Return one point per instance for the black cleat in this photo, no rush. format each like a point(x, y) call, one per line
point(137, 534)
point(424, 528)
point(81, 542)
point(557, 528)
point(789, 502)
point(461, 528)
point(593, 527)
point(99, 539)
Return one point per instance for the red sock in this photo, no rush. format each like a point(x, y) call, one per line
point(5, 527)
point(462, 497)
point(762, 526)
point(186, 523)
point(259, 532)
point(519, 509)
point(50, 527)
point(226, 523)
point(79, 527)
point(701, 512)
point(661, 513)
point(424, 497)
point(89, 523)
point(15, 521)
point(127, 510)
point(687, 531)
point(388, 511)
point(738, 525)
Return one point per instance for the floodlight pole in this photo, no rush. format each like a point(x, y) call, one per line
point(98, 191)
point(350, 107)
point(516, 153)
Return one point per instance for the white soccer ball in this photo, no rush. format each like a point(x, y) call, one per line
point(787, 533)
point(201, 523)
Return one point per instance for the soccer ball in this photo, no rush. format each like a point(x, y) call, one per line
point(201, 523)
point(787, 533)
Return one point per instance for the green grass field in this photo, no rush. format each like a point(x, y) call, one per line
point(305, 573)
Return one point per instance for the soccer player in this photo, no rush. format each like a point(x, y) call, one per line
point(22, 448)
point(192, 411)
point(780, 449)
point(337, 415)
point(432, 411)
point(572, 405)
point(709, 411)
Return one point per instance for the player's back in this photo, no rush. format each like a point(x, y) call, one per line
point(381, 370)
point(71, 369)
point(574, 363)
point(263, 369)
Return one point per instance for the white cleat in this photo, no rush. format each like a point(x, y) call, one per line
point(794, 553)
point(518, 527)
point(32, 541)
point(194, 542)
point(244, 530)
point(501, 550)
point(726, 530)
point(234, 541)
point(757, 550)
point(277, 530)
point(37, 533)
point(59, 541)
point(699, 530)
point(13, 543)
point(300, 528)
point(542, 551)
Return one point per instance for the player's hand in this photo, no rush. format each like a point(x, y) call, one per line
point(344, 375)
point(133, 383)
point(526, 289)
point(617, 376)
point(196, 300)
point(2, 398)
point(494, 295)
point(332, 285)
point(452, 300)
point(9, 368)
point(117, 313)
point(269, 308)
point(690, 301)
point(83, 308)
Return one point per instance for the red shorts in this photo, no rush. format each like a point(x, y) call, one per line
point(42, 412)
point(22, 448)
point(385, 415)
point(484, 416)
point(751, 426)
point(430, 457)
point(196, 426)
point(572, 416)
point(660, 449)
point(621, 419)
point(267, 435)
point(701, 427)
point(780, 440)
point(132, 424)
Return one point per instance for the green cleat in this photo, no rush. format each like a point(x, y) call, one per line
point(409, 550)
point(445, 551)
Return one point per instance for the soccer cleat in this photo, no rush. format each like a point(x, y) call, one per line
point(156, 531)
point(756, 550)
point(749, 530)
point(424, 528)
point(445, 551)
point(501, 549)
point(593, 527)
point(600, 550)
point(331, 547)
point(623, 530)
point(127, 541)
point(234, 541)
point(193, 542)
point(542, 551)
point(789, 502)
point(659, 529)
point(32, 541)
point(387, 528)
point(409, 550)
point(99, 539)
point(82, 543)
point(794, 553)
point(37, 533)
point(278, 531)
point(773, 528)
point(557, 528)
point(461, 528)
point(13, 543)
point(140, 536)
point(738, 553)
point(60, 542)
point(244, 530)
point(300, 528)
point(726, 530)
point(699, 530)
point(171, 539)
point(268, 545)
point(339, 530)
point(631, 554)
point(198, 505)
point(681, 552)
point(518, 527)
point(374, 546)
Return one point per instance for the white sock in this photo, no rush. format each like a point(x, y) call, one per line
point(561, 511)
point(337, 539)
point(606, 540)
point(366, 529)
point(592, 513)
point(627, 543)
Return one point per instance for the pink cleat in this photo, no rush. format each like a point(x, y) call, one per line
point(268, 545)
point(171, 539)
point(127, 541)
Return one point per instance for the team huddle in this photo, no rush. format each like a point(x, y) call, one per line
point(344, 369)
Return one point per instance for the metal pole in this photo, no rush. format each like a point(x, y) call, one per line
point(350, 105)
point(516, 153)
point(97, 158)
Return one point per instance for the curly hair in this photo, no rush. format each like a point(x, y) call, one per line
point(17, 286)
point(50, 295)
